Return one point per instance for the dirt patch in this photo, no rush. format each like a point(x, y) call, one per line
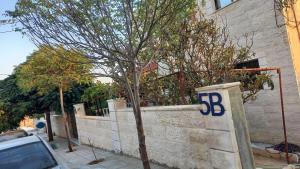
point(96, 161)
point(54, 146)
point(68, 151)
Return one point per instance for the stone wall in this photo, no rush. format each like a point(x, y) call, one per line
point(95, 128)
point(57, 124)
point(271, 45)
point(178, 136)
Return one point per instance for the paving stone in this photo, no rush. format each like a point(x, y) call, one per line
point(80, 158)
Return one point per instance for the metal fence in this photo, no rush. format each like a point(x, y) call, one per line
point(95, 108)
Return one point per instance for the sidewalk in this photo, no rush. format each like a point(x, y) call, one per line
point(83, 154)
point(80, 158)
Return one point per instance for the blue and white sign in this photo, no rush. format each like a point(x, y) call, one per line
point(40, 125)
point(214, 101)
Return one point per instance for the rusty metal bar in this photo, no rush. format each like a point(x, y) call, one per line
point(281, 101)
point(257, 69)
point(283, 118)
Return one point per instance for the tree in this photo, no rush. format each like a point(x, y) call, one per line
point(98, 94)
point(200, 53)
point(3, 121)
point(46, 70)
point(105, 91)
point(114, 33)
point(13, 103)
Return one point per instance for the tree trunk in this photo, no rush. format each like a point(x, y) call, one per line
point(135, 100)
point(181, 79)
point(49, 127)
point(65, 118)
point(141, 138)
point(138, 119)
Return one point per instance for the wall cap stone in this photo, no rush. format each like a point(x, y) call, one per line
point(165, 108)
point(56, 115)
point(95, 118)
point(219, 86)
point(114, 100)
point(78, 104)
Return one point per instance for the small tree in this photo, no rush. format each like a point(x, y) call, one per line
point(114, 33)
point(200, 53)
point(46, 70)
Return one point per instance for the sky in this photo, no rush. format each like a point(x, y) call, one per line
point(14, 47)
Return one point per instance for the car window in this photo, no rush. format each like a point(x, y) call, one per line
point(29, 156)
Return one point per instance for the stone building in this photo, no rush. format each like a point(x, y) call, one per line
point(275, 45)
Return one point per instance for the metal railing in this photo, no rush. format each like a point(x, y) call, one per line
point(94, 109)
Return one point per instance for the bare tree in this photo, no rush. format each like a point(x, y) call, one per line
point(115, 34)
point(92, 146)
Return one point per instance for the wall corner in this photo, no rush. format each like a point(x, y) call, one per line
point(114, 106)
point(79, 109)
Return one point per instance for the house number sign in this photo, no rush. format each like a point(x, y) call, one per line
point(214, 101)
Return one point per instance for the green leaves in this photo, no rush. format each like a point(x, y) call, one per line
point(50, 68)
point(15, 103)
point(100, 90)
point(252, 83)
point(206, 55)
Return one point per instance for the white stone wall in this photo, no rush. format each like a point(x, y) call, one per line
point(178, 136)
point(57, 124)
point(272, 49)
point(95, 128)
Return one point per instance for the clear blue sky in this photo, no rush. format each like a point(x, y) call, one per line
point(14, 48)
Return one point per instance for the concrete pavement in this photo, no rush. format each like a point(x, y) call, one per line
point(82, 155)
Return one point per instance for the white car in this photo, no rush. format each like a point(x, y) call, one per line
point(29, 152)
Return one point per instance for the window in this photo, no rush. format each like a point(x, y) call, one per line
point(248, 64)
point(222, 3)
point(29, 156)
point(251, 76)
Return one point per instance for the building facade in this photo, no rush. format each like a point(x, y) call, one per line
point(275, 45)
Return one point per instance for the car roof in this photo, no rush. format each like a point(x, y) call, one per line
point(13, 135)
point(13, 132)
point(19, 142)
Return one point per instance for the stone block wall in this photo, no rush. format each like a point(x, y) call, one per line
point(57, 123)
point(95, 128)
point(272, 48)
point(178, 136)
